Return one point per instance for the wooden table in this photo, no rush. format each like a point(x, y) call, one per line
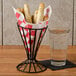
point(10, 56)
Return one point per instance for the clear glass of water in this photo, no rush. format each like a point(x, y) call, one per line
point(58, 43)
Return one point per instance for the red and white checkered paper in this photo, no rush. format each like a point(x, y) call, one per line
point(22, 22)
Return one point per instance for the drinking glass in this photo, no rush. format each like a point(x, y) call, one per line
point(58, 38)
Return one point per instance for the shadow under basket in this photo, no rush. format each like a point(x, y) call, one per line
point(31, 65)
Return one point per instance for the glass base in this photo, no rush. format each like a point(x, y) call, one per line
point(31, 66)
point(58, 62)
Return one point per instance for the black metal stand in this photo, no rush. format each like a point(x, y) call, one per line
point(31, 65)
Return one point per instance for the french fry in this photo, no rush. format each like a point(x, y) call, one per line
point(40, 12)
point(35, 16)
point(27, 13)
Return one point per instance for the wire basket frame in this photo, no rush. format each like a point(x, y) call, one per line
point(31, 65)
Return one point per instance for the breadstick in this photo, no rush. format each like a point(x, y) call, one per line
point(40, 12)
point(20, 10)
point(45, 18)
point(32, 18)
point(35, 16)
point(27, 13)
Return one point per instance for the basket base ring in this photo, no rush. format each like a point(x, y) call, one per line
point(31, 66)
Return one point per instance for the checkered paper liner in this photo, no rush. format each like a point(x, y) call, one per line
point(22, 22)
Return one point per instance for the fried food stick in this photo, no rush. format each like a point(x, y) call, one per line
point(35, 16)
point(27, 13)
point(32, 18)
point(45, 18)
point(40, 12)
point(20, 10)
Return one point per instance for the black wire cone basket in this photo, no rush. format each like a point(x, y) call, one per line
point(31, 65)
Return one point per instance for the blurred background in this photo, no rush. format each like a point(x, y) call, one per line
point(63, 13)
